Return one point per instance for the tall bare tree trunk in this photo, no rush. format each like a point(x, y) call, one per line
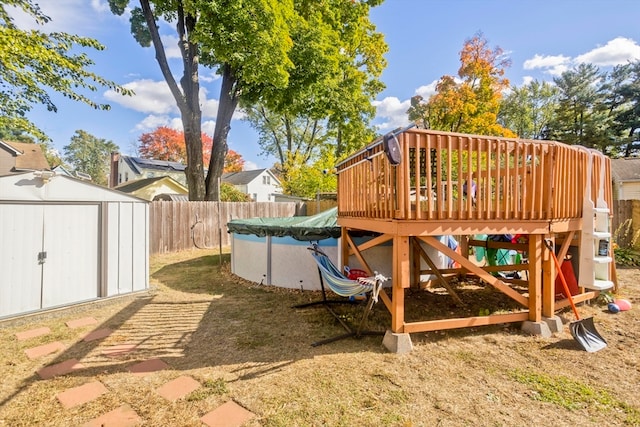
point(226, 107)
point(188, 100)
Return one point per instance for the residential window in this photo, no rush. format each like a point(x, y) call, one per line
point(126, 176)
point(119, 178)
point(266, 180)
point(255, 197)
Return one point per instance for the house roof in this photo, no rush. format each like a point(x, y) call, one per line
point(138, 163)
point(132, 186)
point(243, 177)
point(625, 169)
point(28, 156)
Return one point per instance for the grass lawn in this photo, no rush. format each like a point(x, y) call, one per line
point(243, 342)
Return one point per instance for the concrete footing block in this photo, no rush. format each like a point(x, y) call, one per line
point(397, 343)
point(554, 323)
point(536, 328)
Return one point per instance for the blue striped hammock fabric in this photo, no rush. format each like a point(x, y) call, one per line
point(342, 285)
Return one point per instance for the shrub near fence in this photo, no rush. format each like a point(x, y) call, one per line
point(626, 223)
point(178, 226)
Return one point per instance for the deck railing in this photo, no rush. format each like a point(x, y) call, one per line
point(448, 176)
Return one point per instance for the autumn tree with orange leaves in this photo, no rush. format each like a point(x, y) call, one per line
point(168, 144)
point(470, 102)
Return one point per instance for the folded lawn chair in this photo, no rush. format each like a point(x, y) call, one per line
point(345, 287)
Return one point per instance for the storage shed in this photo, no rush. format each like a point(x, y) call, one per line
point(66, 241)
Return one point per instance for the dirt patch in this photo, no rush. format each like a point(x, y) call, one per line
point(243, 342)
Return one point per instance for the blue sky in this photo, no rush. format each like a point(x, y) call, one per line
point(542, 38)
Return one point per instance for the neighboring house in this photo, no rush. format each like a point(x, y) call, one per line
point(149, 188)
point(126, 168)
point(19, 157)
point(625, 173)
point(260, 184)
point(62, 171)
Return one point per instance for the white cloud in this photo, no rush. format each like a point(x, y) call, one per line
point(171, 48)
point(152, 122)
point(617, 51)
point(100, 6)
point(209, 107)
point(69, 16)
point(391, 113)
point(209, 77)
point(150, 97)
point(526, 80)
point(208, 127)
point(550, 64)
point(427, 90)
point(250, 166)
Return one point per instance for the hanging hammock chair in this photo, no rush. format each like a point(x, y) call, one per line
point(345, 287)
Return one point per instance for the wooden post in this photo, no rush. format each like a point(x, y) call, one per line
point(415, 268)
point(548, 281)
point(535, 277)
point(401, 281)
point(344, 243)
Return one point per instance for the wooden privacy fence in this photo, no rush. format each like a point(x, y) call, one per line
point(178, 226)
point(626, 223)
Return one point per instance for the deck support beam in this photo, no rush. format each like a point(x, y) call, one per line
point(401, 280)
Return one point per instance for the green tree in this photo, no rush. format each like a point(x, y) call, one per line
point(267, 52)
point(582, 116)
point(623, 100)
point(305, 180)
point(247, 42)
point(90, 155)
point(338, 59)
point(528, 110)
point(229, 193)
point(33, 62)
point(293, 141)
point(469, 102)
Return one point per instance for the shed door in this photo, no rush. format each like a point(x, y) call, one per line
point(70, 272)
point(48, 256)
point(20, 272)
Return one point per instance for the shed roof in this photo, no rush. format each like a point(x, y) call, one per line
point(625, 169)
point(35, 186)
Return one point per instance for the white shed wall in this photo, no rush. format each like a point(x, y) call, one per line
point(128, 248)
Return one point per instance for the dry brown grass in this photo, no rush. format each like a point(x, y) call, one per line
point(244, 342)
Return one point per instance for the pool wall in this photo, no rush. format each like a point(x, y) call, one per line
point(286, 262)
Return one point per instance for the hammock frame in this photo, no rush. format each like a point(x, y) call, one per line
point(345, 287)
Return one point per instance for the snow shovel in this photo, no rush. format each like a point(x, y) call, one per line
point(583, 331)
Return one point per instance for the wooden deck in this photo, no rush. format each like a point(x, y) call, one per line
point(467, 185)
